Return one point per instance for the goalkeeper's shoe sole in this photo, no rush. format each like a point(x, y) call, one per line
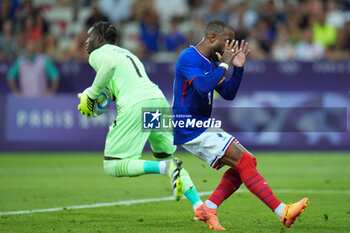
point(292, 211)
point(174, 174)
point(209, 216)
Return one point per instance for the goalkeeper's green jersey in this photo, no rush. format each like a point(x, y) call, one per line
point(124, 74)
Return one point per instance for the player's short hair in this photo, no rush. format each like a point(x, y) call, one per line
point(106, 30)
point(216, 27)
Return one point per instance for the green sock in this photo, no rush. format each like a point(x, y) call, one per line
point(192, 195)
point(189, 189)
point(124, 167)
point(134, 167)
point(151, 167)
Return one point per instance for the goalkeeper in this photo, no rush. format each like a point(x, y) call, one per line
point(124, 74)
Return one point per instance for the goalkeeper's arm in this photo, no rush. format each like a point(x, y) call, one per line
point(105, 67)
point(105, 70)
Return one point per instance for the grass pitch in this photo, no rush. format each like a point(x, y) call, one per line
point(42, 181)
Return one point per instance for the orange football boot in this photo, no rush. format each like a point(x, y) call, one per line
point(209, 216)
point(292, 211)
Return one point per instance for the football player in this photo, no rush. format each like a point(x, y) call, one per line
point(199, 71)
point(124, 74)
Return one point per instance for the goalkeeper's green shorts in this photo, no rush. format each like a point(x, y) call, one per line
point(127, 137)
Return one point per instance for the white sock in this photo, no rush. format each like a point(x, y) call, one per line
point(211, 204)
point(197, 204)
point(279, 209)
point(163, 167)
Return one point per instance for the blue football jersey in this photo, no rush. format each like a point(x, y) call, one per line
point(188, 103)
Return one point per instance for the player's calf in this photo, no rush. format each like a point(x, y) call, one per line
point(229, 183)
point(257, 185)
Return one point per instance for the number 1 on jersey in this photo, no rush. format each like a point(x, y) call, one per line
point(135, 66)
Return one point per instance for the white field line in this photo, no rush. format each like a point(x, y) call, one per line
point(130, 202)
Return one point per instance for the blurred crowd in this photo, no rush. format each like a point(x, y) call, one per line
point(282, 30)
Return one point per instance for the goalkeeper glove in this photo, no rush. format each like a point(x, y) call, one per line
point(86, 106)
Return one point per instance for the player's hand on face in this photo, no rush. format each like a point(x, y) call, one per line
point(240, 59)
point(231, 50)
